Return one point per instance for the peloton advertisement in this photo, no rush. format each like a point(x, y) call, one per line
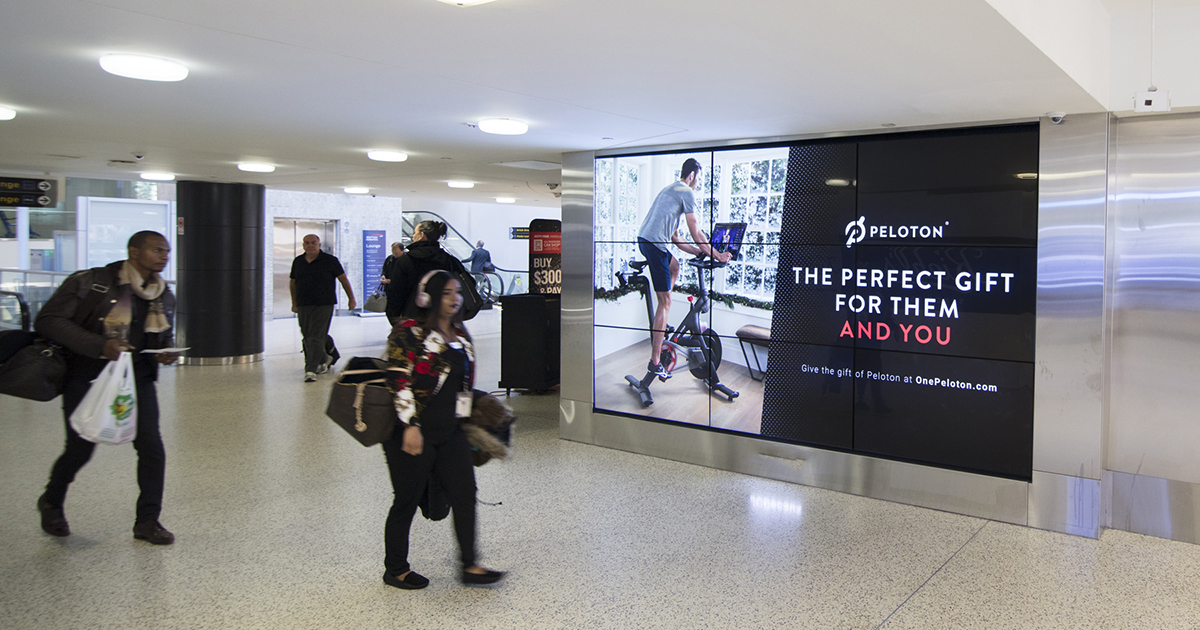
point(873, 295)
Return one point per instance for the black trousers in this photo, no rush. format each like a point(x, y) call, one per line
point(450, 463)
point(314, 330)
point(152, 457)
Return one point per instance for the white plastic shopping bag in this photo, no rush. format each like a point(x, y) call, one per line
point(108, 412)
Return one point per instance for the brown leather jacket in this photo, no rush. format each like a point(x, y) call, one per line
point(56, 321)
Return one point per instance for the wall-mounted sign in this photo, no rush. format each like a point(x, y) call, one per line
point(518, 233)
point(28, 192)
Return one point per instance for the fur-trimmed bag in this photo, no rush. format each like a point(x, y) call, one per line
point(489, 429)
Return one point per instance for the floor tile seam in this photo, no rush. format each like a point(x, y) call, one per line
point(932, 575)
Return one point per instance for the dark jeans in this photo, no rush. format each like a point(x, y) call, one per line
point(449, 462)
point(314, 330)
point(152, 458)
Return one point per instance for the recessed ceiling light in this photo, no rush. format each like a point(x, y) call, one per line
point(159, 177)
point(144, 68)
point(256, 167)
point(506, 200)
point(387, 156)
point(459, 184)
point(1026, 175)
point(7, 113)
point(837, 182)
point(889, 124)
point(356, 190)
point(466, 3)
point(503, 126)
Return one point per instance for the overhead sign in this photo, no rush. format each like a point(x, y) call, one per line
point(28, 192)
point(518, 233)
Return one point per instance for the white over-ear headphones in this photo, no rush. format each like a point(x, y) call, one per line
point(423, 300)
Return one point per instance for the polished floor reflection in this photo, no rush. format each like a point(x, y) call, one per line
point(279, 518)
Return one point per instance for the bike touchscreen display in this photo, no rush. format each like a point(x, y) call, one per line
point(727, 237)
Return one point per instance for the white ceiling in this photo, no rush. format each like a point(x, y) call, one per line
point(310, 86)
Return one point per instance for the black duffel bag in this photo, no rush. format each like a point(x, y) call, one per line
point(362, 403)
point(32, 367)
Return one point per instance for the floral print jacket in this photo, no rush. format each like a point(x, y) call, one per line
point(419, 368)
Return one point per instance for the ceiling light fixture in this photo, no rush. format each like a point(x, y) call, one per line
point(465, 3)
point(159, 177)
point(256, 167)
point(143, 67)
point(1026, 175)
point(503, 126)
point(356, 190)
point(7, 113)
point(837, 182)
point(460, 184)
point(387, 156)
point(506, 200)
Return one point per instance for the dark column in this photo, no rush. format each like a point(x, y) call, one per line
point(220, 270)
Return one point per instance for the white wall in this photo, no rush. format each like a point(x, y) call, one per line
point(355, 213)
point(489, 222)
point(1176, 48)
point(1074, 34)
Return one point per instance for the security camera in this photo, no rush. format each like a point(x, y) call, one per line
point(1056, 117)
point(139, 156)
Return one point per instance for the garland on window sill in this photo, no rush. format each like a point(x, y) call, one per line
point(612, 295)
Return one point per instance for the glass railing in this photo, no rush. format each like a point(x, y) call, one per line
point(34, 286)
point(491, 285)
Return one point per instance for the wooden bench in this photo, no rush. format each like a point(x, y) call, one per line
point(755, 336)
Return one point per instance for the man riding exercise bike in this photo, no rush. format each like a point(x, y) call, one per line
point(660, 227)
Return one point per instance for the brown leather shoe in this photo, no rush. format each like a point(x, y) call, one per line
point(153, 533)
point(53, 520)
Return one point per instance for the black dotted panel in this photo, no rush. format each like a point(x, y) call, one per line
point(816, 206)
point(805, 311)
point(802, 402)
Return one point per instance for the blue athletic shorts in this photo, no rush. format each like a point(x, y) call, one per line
point(660, 265)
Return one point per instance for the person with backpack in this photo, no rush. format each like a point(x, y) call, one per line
point(97, 314)
point(425, 254)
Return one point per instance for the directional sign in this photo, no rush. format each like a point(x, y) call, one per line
point(28, 192)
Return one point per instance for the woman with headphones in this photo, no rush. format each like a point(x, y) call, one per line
point(433, 394)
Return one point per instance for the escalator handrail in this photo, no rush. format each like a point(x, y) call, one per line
point(23, 305)
point(455, 230)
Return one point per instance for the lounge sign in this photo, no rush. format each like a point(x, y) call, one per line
point(28, 192)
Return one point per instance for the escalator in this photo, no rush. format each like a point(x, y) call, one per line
point(490, 285)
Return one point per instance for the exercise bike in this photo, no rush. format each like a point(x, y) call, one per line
point(700, 347)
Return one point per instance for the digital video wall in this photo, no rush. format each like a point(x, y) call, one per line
point(882, 300)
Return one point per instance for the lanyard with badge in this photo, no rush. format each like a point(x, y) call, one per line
point(464, 399)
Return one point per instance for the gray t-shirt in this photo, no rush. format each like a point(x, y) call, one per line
point(663, 219)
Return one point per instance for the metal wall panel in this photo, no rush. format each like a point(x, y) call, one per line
point(1155, 348)
point(578, 171)
point(1153, 506)
point(1065, 503)
point(1070, 299)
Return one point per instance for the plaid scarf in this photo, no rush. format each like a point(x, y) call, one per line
point(129, 283)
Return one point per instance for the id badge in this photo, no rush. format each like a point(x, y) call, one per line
point(462, 407)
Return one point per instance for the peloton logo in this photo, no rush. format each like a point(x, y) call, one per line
point(858, 230)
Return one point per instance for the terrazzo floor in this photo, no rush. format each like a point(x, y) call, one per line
point(279, 518)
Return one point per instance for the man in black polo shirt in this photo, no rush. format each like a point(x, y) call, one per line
point(313, 299)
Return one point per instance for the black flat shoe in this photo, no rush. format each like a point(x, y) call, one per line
point(491, 577)
point(53, 520)
point(411, 582)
